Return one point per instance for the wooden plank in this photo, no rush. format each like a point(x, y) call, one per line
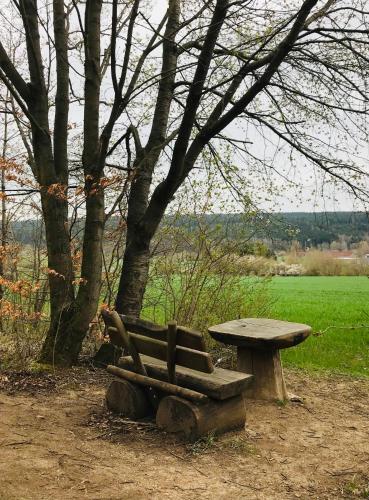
point(197, 360)
point(115, 337)
point(171, 359)
point(190, 358)
point(185, 336)
point(190, 338)
point(157, 384)
point(220, 384)
point(143, 327)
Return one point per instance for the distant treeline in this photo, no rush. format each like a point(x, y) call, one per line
point(315, 229)
point(309, 229)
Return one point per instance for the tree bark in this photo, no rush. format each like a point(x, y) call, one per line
point(60, 275)
point(70, 318)
point(134, 277)
point(4, 221)
point(85, 305)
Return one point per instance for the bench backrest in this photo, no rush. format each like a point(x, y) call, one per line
point(152, 339)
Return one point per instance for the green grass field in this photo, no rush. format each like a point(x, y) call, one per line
point(323, 302)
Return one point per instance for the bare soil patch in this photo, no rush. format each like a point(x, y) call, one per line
point(57, 441)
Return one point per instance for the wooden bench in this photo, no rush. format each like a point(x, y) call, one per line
point(258, 342)
point(168, 371)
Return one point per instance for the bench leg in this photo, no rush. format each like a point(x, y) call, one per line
point(127, 399)
point(268, 372)
point(192, 420)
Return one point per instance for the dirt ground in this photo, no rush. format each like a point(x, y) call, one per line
point(57, 441)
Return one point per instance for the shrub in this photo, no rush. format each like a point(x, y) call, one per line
point(23, 297)
point(203, 287)
point(317, 263)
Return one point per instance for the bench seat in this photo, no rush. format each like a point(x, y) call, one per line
point(220, 384)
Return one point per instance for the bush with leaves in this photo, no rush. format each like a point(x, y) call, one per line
point(202, 285)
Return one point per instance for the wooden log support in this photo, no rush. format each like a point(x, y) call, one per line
point(127, 399)
point(266, 366)
point(165, 387)
point(171, 359)
point(192, 421)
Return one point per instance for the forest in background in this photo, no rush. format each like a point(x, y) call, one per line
point(279, 230)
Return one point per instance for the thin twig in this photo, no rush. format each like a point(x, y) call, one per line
point(332, 327)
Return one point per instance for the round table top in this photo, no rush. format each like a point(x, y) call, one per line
point(260, 333)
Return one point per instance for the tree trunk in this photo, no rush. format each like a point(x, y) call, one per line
point(135, 273)
point(71, 317)
point(142, 224)
point(4, 224)
point(136, 260)
point(60, 271)
point(88, 296)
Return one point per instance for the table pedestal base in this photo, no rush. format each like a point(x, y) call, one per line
point(268, 372)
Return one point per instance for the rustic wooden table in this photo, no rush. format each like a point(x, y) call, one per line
point(258, 342)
